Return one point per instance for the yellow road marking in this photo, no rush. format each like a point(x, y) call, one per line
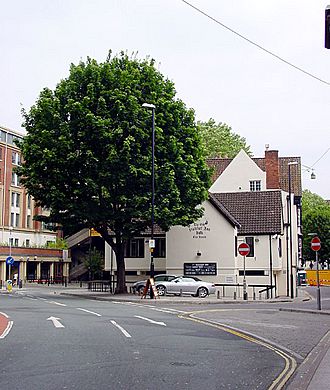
point(290, 362)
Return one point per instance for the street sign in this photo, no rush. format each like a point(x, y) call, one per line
point(10, 260)
point(243, 249)
point(315, 244)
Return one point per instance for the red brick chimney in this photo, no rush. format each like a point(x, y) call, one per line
point(272, 169)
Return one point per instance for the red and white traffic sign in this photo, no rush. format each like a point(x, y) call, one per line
point(315, 244)
point(243, 249)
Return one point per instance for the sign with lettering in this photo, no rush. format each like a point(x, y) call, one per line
point(200, 269)
point(199, 229)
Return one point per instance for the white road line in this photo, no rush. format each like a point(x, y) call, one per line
point(121, 329)
point(7, 330)
point(162, 310)
point(175, 310)
point(88, 311)
point(152, 321)
point(56, 303)
point(8, 327)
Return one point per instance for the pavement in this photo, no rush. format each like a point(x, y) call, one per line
point(312, 374)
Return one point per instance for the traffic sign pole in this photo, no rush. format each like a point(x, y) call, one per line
point(316, 246)
point(318, 281)
point(244, 250)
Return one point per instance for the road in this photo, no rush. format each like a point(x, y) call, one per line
point(62, 342)
point(59, 342)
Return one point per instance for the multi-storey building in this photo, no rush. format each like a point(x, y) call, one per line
point(28, 241)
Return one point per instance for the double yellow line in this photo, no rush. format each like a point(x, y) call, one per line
point(290, 362)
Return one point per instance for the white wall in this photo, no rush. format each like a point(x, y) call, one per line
point(236, 177)
point(212, 236)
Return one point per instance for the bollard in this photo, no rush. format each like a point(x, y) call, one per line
point(80, 283)
point(65, 282)
point(20, 285)
point(234, 294)
point(254, 295)
point(218, 294)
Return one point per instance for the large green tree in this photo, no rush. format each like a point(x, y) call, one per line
point(87, 154)
point(315, 219)
point(220, 141)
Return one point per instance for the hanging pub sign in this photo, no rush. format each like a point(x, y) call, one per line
point(200, 269)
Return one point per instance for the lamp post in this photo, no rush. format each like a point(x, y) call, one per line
point(152, 107)
point(290, 226)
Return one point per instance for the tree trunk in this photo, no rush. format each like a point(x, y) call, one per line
point(121, 277)
point(118, 248)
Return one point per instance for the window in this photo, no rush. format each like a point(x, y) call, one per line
point(252, 272)
point(15, 199)
point(280, 247)
point(0, 153)
point(160, 247)
point(14, 219)
point(28, 221)
point(255, 185)
point(29, 201)
point(134, 248)
point(16, 241)
point(16, 158)
point(14, 179)
point(27, 242)
point(250, 242)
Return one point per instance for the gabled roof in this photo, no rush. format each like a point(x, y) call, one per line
point(257, 212)
point(220, 207)
point(220, 164)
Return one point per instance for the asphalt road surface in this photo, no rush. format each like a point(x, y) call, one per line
point(59, 342)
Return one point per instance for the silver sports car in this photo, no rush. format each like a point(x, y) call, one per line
point(186, 285)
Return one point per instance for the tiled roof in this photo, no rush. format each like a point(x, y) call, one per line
point(219, 206)
point(220, 164)
point(257, 212)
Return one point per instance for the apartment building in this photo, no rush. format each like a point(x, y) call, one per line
point(27, 241)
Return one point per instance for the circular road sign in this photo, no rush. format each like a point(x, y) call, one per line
point(315, 244)
point(10, 260)
point(244, 249)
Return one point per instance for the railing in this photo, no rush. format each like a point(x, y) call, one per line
point(235, 290)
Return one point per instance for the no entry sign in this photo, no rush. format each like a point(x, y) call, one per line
point(244, 249)
point(315, 244)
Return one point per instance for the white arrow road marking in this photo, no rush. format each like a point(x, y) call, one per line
point(121, 329)
point(56, 322)
point(91, 312)
point(152, 321)
point(57, 303)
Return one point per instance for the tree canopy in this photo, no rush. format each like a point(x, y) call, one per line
point(87, 153)
point(315, 219)
point(220, 141)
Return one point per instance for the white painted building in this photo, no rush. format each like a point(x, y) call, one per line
point(248, 202)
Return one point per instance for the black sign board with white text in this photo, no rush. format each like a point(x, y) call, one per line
point(200, 269)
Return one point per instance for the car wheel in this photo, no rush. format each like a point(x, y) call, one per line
point(140, 290)
point(202, 292)
point(161, 290)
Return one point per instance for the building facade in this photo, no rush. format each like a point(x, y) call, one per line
point(28, 241)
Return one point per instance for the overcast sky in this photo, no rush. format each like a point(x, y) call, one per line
point(215, 71)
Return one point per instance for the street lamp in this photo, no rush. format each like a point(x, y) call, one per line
point(152, 107)
point(290, 226)
point(308, 169)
